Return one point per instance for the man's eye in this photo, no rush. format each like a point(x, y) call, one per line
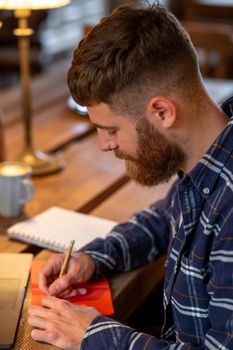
point(112, 132)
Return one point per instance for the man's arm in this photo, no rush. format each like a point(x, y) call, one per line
point(69, 326)
point(111, 335)
point(129, 245)
point(218, 335)
point(136, 242)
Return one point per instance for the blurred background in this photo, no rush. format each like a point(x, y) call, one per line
point(57, 32)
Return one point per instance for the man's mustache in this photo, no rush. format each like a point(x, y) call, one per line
point(121, 155)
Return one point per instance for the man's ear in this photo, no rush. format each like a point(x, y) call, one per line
point(161, 111)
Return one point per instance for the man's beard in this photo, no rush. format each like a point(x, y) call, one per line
point(157, 159)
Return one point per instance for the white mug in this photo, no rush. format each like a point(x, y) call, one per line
point(16, 187)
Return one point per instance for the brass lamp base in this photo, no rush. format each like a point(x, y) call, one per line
point(41, 163)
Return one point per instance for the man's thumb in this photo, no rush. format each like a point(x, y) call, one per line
point(59, 285)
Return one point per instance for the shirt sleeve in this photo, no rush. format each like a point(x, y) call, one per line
point(133, 243)
point(112, 335)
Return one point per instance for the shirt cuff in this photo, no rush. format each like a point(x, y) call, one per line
point(104, 331)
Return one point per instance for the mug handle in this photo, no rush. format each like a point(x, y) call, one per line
point(28, 191)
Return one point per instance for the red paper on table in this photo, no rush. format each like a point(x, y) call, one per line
point(98, 292)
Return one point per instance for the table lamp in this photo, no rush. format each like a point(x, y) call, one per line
point(40, 162)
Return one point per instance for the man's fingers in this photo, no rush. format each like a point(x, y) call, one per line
point(48, 273)
point(38, 335)
point(61, 306)
point(51, 302)
point(35, 310)
point(43, 283)
point(44, 336)
point(37, 322)
point(59, 285)
point(44, 312)
point(72, 292)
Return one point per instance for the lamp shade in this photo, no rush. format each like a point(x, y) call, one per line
point(31, 4)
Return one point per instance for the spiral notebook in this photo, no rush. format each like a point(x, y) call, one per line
point(56, 227)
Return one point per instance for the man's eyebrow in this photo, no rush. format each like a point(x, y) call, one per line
point(98, 126)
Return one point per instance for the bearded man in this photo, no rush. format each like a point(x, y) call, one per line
point(137, 72)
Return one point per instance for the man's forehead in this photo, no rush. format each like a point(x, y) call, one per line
point(100, 109)
point(103, 117)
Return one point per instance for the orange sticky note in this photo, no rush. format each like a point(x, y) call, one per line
point(98, 292)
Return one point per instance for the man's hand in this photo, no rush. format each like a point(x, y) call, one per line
point(60, 323)
point(81, 268)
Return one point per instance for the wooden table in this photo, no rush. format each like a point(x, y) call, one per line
point(92, 182)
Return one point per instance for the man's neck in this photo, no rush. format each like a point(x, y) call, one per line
point(206, 123)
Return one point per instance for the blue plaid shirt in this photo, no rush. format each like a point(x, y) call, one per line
point(194, 226)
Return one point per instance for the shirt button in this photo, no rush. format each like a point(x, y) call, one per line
point(206, 190)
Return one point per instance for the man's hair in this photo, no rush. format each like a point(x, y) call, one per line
point(134, 53)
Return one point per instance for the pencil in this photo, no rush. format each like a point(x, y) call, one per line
point(67, 258)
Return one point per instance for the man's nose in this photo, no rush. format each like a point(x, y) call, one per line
point(105, 141)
